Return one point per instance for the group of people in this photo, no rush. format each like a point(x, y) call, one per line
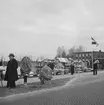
point(11, 74)
point(95, 67)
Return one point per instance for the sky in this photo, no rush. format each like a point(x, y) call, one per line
point(39, 27)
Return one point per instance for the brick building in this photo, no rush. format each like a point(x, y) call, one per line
point(88, 56)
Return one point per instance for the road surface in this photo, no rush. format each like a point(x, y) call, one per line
point(86, 89)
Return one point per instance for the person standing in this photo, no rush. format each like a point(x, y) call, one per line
point(95, 67)
point(11, 74)
point(45, 74)
point(72, 68)
point(25, 68)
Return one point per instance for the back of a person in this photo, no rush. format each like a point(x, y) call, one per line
point(25, 65)
point(25, 68)
point(95, 65)
point(47, 70)
point(45, 74)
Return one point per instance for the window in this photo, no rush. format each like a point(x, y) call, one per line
point(98, 56)
point(87, 55)
point(79, 55)
point(83, 55)
point(76, 55)
point(90, 54)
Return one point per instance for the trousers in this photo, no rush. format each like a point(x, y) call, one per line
point(11, 84)
point(95, 72)
point(25, 79)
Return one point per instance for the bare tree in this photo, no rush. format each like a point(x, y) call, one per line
point(80, 49)
point(61, 52)
point(75, 49)
point(41, 58)
point(71, 51)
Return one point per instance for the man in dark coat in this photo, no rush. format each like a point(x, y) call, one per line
point(95, 67)
point(72, 68)
point(11, 74)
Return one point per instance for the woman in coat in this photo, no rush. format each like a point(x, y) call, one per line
point(25, 68)
point(11, 74)
point(45, 74)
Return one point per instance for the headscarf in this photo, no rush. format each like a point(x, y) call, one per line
point(25, 65)
point(46, 72)
point(97, 61)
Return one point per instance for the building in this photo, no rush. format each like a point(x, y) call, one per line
point(88, 56)
point(63, 60)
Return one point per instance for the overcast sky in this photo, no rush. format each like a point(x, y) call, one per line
point(38, 27)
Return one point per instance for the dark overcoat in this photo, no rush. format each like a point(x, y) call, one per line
point(72, 68)
point(11, 71)
point(95, 66)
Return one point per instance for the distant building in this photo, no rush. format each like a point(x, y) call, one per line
point(87, 57)
point(62, 60)
point(48, 60)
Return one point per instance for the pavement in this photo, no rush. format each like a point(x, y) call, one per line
point(84, 89)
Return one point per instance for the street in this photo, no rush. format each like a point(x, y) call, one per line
point(85, 89)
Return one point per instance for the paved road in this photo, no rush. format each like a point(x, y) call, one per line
point(86, 89)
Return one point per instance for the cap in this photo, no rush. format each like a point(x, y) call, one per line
point(11, 54)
